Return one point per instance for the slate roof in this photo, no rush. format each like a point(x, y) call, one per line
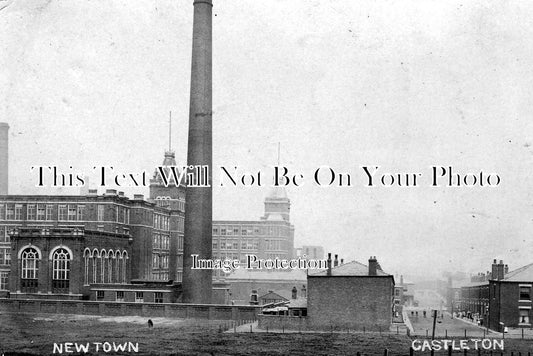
point(522, 274)
point(353, 268)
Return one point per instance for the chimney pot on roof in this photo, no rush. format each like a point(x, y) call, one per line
point(372, 266)
point(336, 263)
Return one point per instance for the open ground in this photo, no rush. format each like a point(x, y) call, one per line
point(35, 334)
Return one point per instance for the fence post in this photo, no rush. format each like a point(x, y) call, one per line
point(466, 350)
point(386, 352)
point(449, 351)
point(522, 333)
point(446, 333)
point(465, 335)
point(411, 351)
point(250, 328)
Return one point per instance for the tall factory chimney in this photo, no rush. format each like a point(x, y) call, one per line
point(197, 283)
point(4, 130)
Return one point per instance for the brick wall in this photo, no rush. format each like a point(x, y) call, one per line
point(199, 311)
point(350, 302)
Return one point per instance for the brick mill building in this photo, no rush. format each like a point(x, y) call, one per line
point(87, 246)
point(270, 237)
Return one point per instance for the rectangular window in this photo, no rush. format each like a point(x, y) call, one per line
point(100, 212)
point(31, 212)
point(139, 297)
point(158, 297)
point(215, 231)
point(2, 211)
point(49, 209)
point(41, 210)
point(120, 296)
point(18, 211)
point(62, 213)
point(10, 212)
point(100, 295)
point(81, 212)
point(72, 212)
point(4, 280)
point(525, 293)
point(523, 316)
point(215, 245)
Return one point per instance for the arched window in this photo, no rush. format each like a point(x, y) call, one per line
point(124, 265)
point(103, 263)
point(95, 258)
point(86, 258)
point(29, 260)
point(111, 259)
point(61, 270)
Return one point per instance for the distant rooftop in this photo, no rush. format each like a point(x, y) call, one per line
point(522, 274)
point(353, 268)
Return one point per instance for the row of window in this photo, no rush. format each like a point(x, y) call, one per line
point(161, 242)
point(160, 276)
point(159, 261)
point(250, 230)
point(166, 202)
point(247, 244)
point(29, 266)
point(65, 212)
point(105, 266)
point(161, 222)
point(139, 296)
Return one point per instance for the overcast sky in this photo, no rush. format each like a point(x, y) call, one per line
point(400, 85)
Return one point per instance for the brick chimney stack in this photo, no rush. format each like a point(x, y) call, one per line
point(498, 270)
point(197, 284)
point(372, 266)
point(4, 158)
point(329, 264)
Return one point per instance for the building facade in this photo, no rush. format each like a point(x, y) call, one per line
point(500, 298)
point(270, 237)
point(60, 245)
point(351, 295)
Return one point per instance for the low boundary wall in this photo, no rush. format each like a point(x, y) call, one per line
point(168, 310)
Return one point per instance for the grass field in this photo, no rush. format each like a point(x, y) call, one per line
point(36, 335)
